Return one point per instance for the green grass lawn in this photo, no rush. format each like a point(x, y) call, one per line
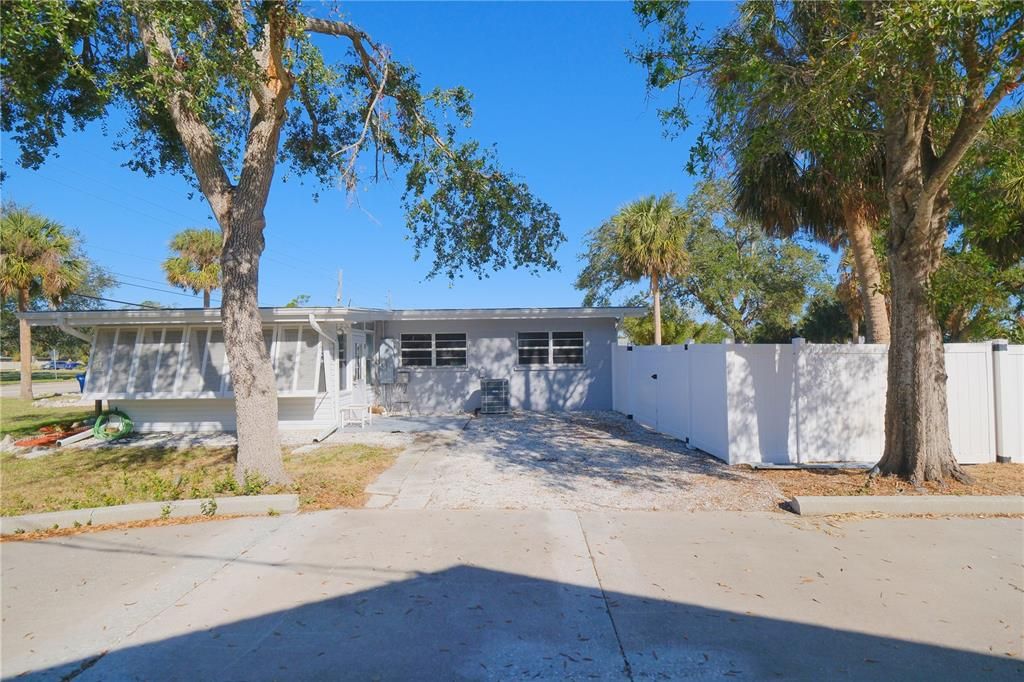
point(22, 417)
point(73, 478)
point(96, 477)
point(13, 376)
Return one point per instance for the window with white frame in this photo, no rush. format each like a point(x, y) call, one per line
point(191, 362)
point(550, 348)
point(442, 349)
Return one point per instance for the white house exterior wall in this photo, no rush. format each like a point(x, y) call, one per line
point(201, 415)
point(491, 353)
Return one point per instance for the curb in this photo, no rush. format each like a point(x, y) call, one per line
point(907, 504)
point(145, 511)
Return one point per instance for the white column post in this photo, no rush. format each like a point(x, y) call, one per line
point(798, 342)
point(999, 348)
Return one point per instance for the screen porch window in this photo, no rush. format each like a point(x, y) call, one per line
point(191, 362)
point(550, 348)
point(434, 350)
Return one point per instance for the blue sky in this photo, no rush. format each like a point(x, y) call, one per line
point(552, 88)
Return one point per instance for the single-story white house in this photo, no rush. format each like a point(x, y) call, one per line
point(167, 368)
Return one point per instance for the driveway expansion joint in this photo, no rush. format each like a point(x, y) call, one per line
point(604, 596)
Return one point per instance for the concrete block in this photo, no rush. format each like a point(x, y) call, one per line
point(810, 505)
point(143, 511)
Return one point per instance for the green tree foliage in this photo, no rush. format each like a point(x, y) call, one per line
point(644, 238)
point(826, 320)
point(677, 326)
point(38, 260)
point(298, 301)
point(66, 64)
point(782, 179)
point(978, 291)
point(738, 275)
point(197, 266)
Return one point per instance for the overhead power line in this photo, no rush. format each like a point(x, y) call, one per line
point(163, 291)
point(114, 300)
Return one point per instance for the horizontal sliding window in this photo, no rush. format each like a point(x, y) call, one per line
point(434, 350)
point(550, 348)
point(191, 361)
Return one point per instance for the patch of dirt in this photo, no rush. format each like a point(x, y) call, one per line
point(989, 479)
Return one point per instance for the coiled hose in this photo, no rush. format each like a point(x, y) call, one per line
point(112, 425)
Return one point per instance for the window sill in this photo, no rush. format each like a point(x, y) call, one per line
point(432, 368)
point(548, 368)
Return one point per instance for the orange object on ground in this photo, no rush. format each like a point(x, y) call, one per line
point(48, 438)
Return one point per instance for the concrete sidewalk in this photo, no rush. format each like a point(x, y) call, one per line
point(406, 595)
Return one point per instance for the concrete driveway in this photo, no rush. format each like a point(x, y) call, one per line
point(489, 595)
point(579, 461)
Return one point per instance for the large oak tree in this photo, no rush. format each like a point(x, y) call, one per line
point(225, 91)
point(919, 80)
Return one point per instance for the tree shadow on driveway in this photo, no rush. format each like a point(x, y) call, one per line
point(563, 449)
point(470, 623)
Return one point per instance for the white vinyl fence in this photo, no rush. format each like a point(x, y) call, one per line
point(805, 403)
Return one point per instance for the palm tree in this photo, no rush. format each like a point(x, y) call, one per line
point(647, 239)
point(789, 195)
point(37, 260)
point(197, 265)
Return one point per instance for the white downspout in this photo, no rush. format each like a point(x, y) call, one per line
point(335, 398)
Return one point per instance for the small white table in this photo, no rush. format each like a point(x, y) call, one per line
point(356, 414)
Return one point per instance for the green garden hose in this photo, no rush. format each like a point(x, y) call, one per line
point(119, 428)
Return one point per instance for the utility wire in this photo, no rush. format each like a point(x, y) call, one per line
point(114, 300)
point(163, 291)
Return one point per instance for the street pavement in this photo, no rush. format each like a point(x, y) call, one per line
point(41, 388)
point(497, 594)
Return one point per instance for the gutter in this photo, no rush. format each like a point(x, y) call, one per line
point(335, 398)
point(63, 325)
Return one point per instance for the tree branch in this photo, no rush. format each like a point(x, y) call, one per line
point(340, 28)
point(359, 41)
point(195, 135)
point(348, 173)
point(973, 118)
point(268, 116)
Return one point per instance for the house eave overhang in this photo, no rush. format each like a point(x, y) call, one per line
point(186, 316)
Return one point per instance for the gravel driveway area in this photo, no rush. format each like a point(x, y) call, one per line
point(579, 461)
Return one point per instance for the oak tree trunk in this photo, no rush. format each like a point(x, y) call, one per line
point(917, 443)
point(869, 276)
point(252, 376)
point(656, 296)
point(25, 348)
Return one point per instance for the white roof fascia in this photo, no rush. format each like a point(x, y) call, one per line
point(513, 313)
point(172, 316)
